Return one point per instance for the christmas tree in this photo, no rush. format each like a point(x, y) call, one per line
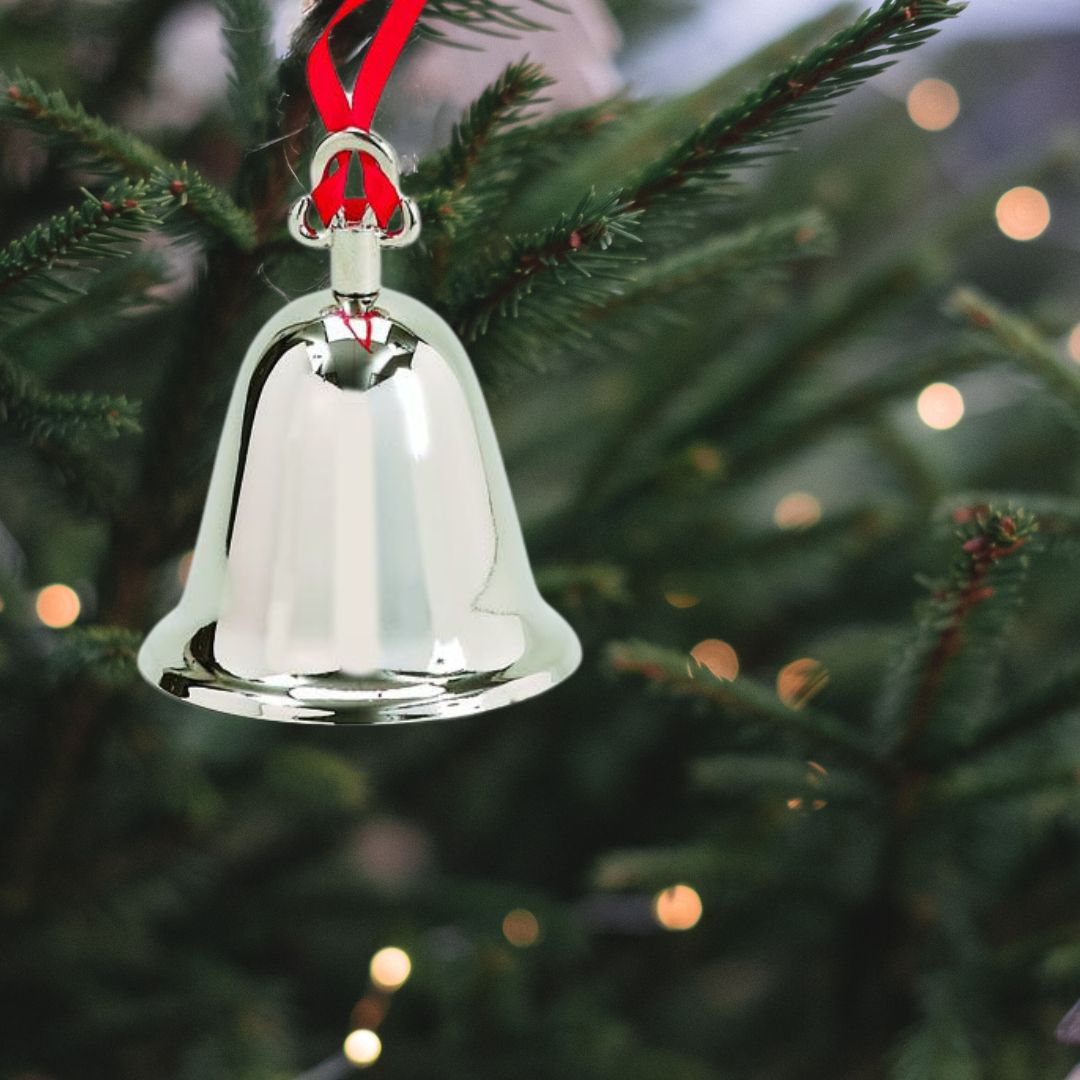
point(810, 807)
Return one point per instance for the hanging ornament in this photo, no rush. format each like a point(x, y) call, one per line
point(359, 559)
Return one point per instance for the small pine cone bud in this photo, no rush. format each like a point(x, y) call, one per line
point(976, 545)
point(575, 240)
point(131, 204)
point(979, 595)
point(178, 188)
point(107, 208)
point(963, 514)
point(1008, 525)
point(14, 93)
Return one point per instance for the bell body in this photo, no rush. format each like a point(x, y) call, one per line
point(359, 559)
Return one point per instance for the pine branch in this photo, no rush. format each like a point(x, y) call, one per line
point(494, 17)
point(207, 209)
point(98, 228)
point(760, 249)
point(505, 102)
point(51, 114)
point(28, 104)
point(541, 283)
point(800, 93)
point(44, 414)
point(969, 608)
point(252, 63)
point(679, 674)
point(463, 200)
point(105, 653)
point(1019, 340)
point(742, 776)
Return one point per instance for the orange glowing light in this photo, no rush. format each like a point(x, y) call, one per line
point(58, 606)
point(677, 908)
point(799, 681)
point(797, 511)
point(940, 406)
point(717, 657)
point(933, 104)
point(362, 1047)
point(682, 600)
point(1074, 343)
point(521, 928)
point(706, 459)
point(369, 1012)
point(390, 967)
point(1022, 213)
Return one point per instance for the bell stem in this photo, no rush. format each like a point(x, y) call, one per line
point(356, 265)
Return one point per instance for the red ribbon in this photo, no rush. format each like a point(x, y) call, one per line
point(340, 110)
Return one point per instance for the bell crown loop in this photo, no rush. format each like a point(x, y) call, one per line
point(354, 245)
point(354, 141)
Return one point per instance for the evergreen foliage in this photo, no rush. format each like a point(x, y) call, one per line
point(877, 808)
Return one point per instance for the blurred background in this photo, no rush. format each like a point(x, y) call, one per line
point(746, 840)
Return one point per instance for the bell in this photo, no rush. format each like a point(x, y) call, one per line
point(359, 559)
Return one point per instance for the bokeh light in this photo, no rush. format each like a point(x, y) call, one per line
point(370, 1011)
point(933, 104)
point(390, 967)
point(681, 600)
point(717, 657)
point(362, 1047)
point(58, 606)
point(798, 510)
point(940, 406)
point(521, 928)
point(677, 908)
point(1073, 344)
point(1022, 213)
point(801, 680)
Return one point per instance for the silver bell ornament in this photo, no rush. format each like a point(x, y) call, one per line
point(359, 559)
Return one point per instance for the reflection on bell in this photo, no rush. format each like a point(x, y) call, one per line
point(360, 559)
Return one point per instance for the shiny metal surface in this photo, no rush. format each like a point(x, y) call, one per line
point(359, 559)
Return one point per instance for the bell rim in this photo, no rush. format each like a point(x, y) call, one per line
point(311, 699)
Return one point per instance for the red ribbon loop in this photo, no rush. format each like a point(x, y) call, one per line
point(340, 110)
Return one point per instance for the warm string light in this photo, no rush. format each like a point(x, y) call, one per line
point(815, 777)
point(717, 657)
point(798, 510)
point(682, 601)
point(1022, 213)
point(677, 907)
point(362, 1047)
point(940, 406)
point(390, 968)
point(521, 928)
point(57, 606)
point(801, 680)
point(933, 104)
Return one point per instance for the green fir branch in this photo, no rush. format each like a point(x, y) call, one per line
point(44, 414)
point(28, 104)
point(51, 114)
point(100, 227)
point(246, 25)
point(764, 248)
point(798, 94)
point(680, 674)
point(1019, 340)
point(542, 282)
point(505, 102)
point(206, 208)
point(105, 653)
point(940, 693)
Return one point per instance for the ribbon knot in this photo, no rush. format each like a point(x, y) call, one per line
point(340, 110)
